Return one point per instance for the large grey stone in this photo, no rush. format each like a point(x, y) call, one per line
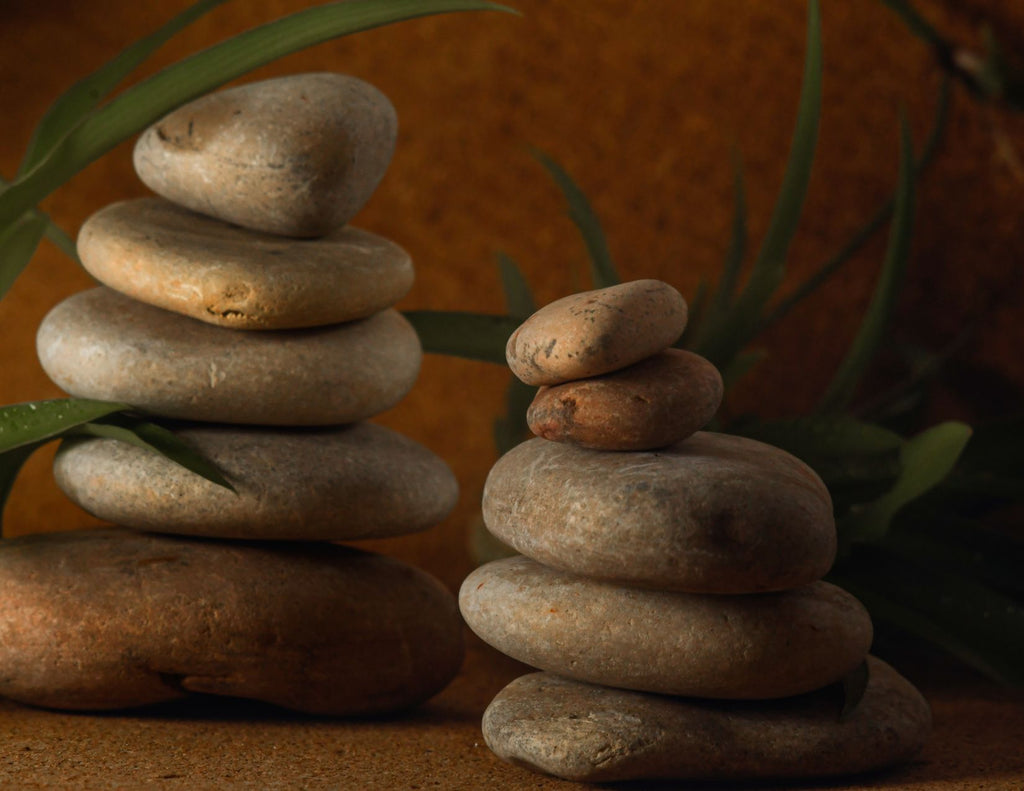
point(586, 733)
point(596, 332)
point(359, 481)
point(113, 618)
point(769, 645)
point(297, 155)
point(101, 344)
point(711, 514)
point(164, 255)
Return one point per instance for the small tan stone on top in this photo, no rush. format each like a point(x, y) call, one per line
point(596, 332)
point(296, 156)
point(159, 253)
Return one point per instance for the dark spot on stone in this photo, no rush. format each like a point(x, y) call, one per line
point(173, 680)
point(550, 347)
point(162, 134)
point(191, 125)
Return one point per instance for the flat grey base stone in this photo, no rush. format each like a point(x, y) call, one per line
point(587, 733)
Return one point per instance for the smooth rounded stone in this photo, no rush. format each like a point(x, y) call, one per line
point(358, 481)
point(596, 332)
point(586, 733)
point(297, 155)
point(714, 513)
point(164, 255)
point(112, 618)
point(771, 645)
point(653, 403)
point(101, 344)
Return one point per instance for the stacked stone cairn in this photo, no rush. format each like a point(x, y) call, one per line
point(241, 305)
point(670, 579)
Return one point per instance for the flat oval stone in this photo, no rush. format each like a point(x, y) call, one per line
point(297, 155)
point(714, 513)
point(586, 733)
point(112, 618)
point(771, 645)
point(596, 332)
point(651, 404)
point(358, 481)
point(101, 344)
point(164, 255)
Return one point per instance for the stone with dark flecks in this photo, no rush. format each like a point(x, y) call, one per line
point(587, 733)
point(771, 645)
point(651, 404)
point(161, 254)
point(358, 481)
point(107, 619)
point(101, 344)
point(297, 155)
point(596, 332)
point(714, 513)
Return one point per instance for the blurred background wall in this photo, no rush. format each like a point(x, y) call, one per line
point(643, 102)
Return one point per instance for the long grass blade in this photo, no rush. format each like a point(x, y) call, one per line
point(518, 297)
point(473, 336)
point(843, 386)
point(87, 94)
point(148, 101)
point(29, 423)
point(602, 269)
point(11, 463)
point(18, 244)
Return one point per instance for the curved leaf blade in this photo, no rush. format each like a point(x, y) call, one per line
point(18, 244)
point(472, 336)
point(11, 463)
point(518, 297)
point(22, 425)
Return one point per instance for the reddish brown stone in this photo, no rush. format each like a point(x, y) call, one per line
point(653, 404)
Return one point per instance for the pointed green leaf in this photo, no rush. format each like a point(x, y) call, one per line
point(602, 269)
point(770, 266)
point(825, 436)
point(11, 462)
point(155, 438)
point(696, 320)
point(511, 428)
point(86, 94)
point(843, 386)
point(18, 243)
point(740, 366)
point(148, 101)
point(926, 460)
point(474, 336)
point(855, 684)
point(26, 424)
point(518, 298)
point(916, 23)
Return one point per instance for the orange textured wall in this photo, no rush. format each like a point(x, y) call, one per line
point(644, 103)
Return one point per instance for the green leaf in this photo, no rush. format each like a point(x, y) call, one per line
point(518, 298)
point(855, 684)
point(474, 336)
point(512, 428)
point(86, 94)
point(696, 317)
point(740, 366)
point(53, 232)
point(150, 436)
point(824, 436)
point(148, 101)
point(11, 462)
point(770, 266)
point(843, 386)
point(18, 244)
point(916, 23)
point(926, 460)
point(602, 269)
point(27, 424)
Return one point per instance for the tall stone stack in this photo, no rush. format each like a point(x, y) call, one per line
point(242, 305)
point(670, 579)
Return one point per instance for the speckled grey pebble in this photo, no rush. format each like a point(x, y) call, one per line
point(770, 645)
point(586, 733)
point(105, 619)
point(359, 481)
point(101, 344)
point(164, 255)
point(596, 332)
point(297, 155)
point(714, 513)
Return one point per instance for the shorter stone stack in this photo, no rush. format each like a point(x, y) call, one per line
point(264, 326)
point(671, 585)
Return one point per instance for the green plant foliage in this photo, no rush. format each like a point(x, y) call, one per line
point(18, 242)
point(518, 298)
point(26, 424)
point(474, 336)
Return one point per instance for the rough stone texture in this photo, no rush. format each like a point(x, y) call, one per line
point(596, 332)
point(297, 155)
point(711, 514)
point(101, 344)
point(738, 647)
point(587, 733)
point(359, 481)
point(653, 403)
point(108, 619)
point(164, 255)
